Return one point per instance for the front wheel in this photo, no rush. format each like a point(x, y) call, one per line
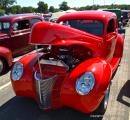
point(2, 66)
point(103, 106)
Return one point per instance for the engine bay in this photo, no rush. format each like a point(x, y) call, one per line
point(68, 55)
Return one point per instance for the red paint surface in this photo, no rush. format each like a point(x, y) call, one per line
point(6, 54)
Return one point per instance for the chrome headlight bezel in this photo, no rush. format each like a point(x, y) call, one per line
point(17, 71)
point(37, 76)
point(85, 83)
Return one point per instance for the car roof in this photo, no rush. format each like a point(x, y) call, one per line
point(104, 16)
point(18, 16)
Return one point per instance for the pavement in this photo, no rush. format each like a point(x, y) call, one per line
point(21, 108)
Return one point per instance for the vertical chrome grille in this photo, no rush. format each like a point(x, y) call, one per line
point(49, 76)
point(44, 90)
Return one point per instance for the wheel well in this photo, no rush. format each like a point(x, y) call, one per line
point(6, 63)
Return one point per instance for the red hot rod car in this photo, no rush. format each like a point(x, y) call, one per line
point(80, 53)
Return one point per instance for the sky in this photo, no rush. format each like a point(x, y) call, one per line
point(71, 3)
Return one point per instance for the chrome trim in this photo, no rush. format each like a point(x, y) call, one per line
point(20, 34)
point(54, 62)
point(1, 66)
point(39, 44)
point(44, 91)
point(4, 38)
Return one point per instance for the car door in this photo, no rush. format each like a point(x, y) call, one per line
point(110, 39)
point(5, 34)
point(20, 34)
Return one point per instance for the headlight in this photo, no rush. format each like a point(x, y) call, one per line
point(17, 71)
point(85, 83)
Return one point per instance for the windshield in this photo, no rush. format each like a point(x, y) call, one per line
point(4, 27)
point(91, 26)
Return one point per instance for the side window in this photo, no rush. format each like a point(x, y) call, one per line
point(21, 25)
point(4, 27)
point(35, 20)
point(110, 27)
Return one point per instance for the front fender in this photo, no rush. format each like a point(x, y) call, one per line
point(6, 54)
point(25, 86)
point(87, 103)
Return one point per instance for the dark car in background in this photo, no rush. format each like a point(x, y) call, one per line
point(125, 17)
point(118, 13)
point(14, 36)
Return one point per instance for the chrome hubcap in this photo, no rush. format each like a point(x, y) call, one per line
point(1, 66)
point(106, 97)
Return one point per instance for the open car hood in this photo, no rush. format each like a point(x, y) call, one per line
point(56, 34)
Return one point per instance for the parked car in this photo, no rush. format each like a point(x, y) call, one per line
point(118, 12)
point(15, 31)
point(80, 54)
point(14, 36)
point(5, 60)
point(125, 17)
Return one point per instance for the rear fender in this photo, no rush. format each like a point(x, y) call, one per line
point(119, 46)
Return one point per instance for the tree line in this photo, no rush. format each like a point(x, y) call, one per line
point(8, 7)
